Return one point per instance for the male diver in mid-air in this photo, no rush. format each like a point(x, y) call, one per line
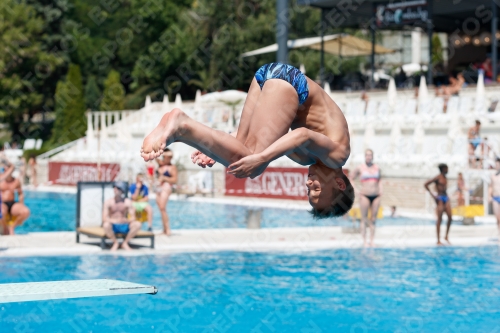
point(280, 98)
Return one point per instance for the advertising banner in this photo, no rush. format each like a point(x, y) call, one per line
point(279, 183)
point(70, 173)
point(401, 13)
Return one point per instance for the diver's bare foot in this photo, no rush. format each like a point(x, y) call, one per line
point(440, 244)
point(167, 233)
point(447, 241)
point(125, 246)
point(162, 135)
point(114, 247)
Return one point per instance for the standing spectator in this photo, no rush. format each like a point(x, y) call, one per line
point(442, 200)
point(139, 194)
point(494, 193)
point(167, 176)
point(371, 193)
point(32, 171)
point(461, 189)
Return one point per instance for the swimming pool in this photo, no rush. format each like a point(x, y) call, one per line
point(353, 290)
point(56, 212)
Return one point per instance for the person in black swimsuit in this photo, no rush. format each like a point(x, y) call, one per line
point(14, 212)
point(167, 176)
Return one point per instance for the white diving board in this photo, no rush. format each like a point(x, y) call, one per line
point(43, 291)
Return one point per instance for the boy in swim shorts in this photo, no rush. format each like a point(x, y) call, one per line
point(442, 200)
point(280, 98)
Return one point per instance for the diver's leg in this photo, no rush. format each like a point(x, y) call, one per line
point(247, 112)
point(176, 126)
point(273, 114)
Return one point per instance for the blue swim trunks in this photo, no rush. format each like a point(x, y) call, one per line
point(497, 199)
point(120, 228)
point(443, 198)
point(475, 142)
point(290, 74)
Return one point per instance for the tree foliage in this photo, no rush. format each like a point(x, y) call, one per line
point(134, 48)
point(113, 94)
point(70, 108)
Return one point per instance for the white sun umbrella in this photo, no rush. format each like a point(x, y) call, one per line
point(369, 135)
point(165, 105)
point(480, 94)
point(197, 97)
point(423, 92)
point(327, 89)
point(178, 101)
point(395, 135)
point(302, 69)
point(454, 132)
point(147, 103)
point(392, 94)
point(418, 136)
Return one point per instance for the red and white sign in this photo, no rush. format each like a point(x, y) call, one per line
point(68, 173)
point(281, 183)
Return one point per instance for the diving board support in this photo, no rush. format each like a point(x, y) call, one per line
point(44, 291)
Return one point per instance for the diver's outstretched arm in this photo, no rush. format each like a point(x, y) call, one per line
point(330, 153)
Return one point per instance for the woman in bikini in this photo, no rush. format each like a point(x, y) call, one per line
point(167, 176)
point(370, 194)
point(280, 98)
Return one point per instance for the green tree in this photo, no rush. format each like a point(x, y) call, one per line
point(437, 50)
point(92, 93)
point(70, 121)
point(114, 93)
point(25, 65)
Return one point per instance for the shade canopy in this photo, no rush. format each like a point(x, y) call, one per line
point(344, 45)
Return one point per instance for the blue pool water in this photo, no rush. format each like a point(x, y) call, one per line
point(56, 212)
point(381, 290)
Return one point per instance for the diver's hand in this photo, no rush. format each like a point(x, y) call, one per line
point(201, 159)
point(250, 166)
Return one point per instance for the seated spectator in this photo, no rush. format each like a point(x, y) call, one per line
point(118, 216)
point(14, 213)
point(488, 70)
point(139, 195)
point(453, 88)
point(475, 141)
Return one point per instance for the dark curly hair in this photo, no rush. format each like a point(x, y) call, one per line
point(342, 202)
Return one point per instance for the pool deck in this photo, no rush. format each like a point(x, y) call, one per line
point(268, 239)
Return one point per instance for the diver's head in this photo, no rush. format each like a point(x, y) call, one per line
point(368, 156)
point(329, 190)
